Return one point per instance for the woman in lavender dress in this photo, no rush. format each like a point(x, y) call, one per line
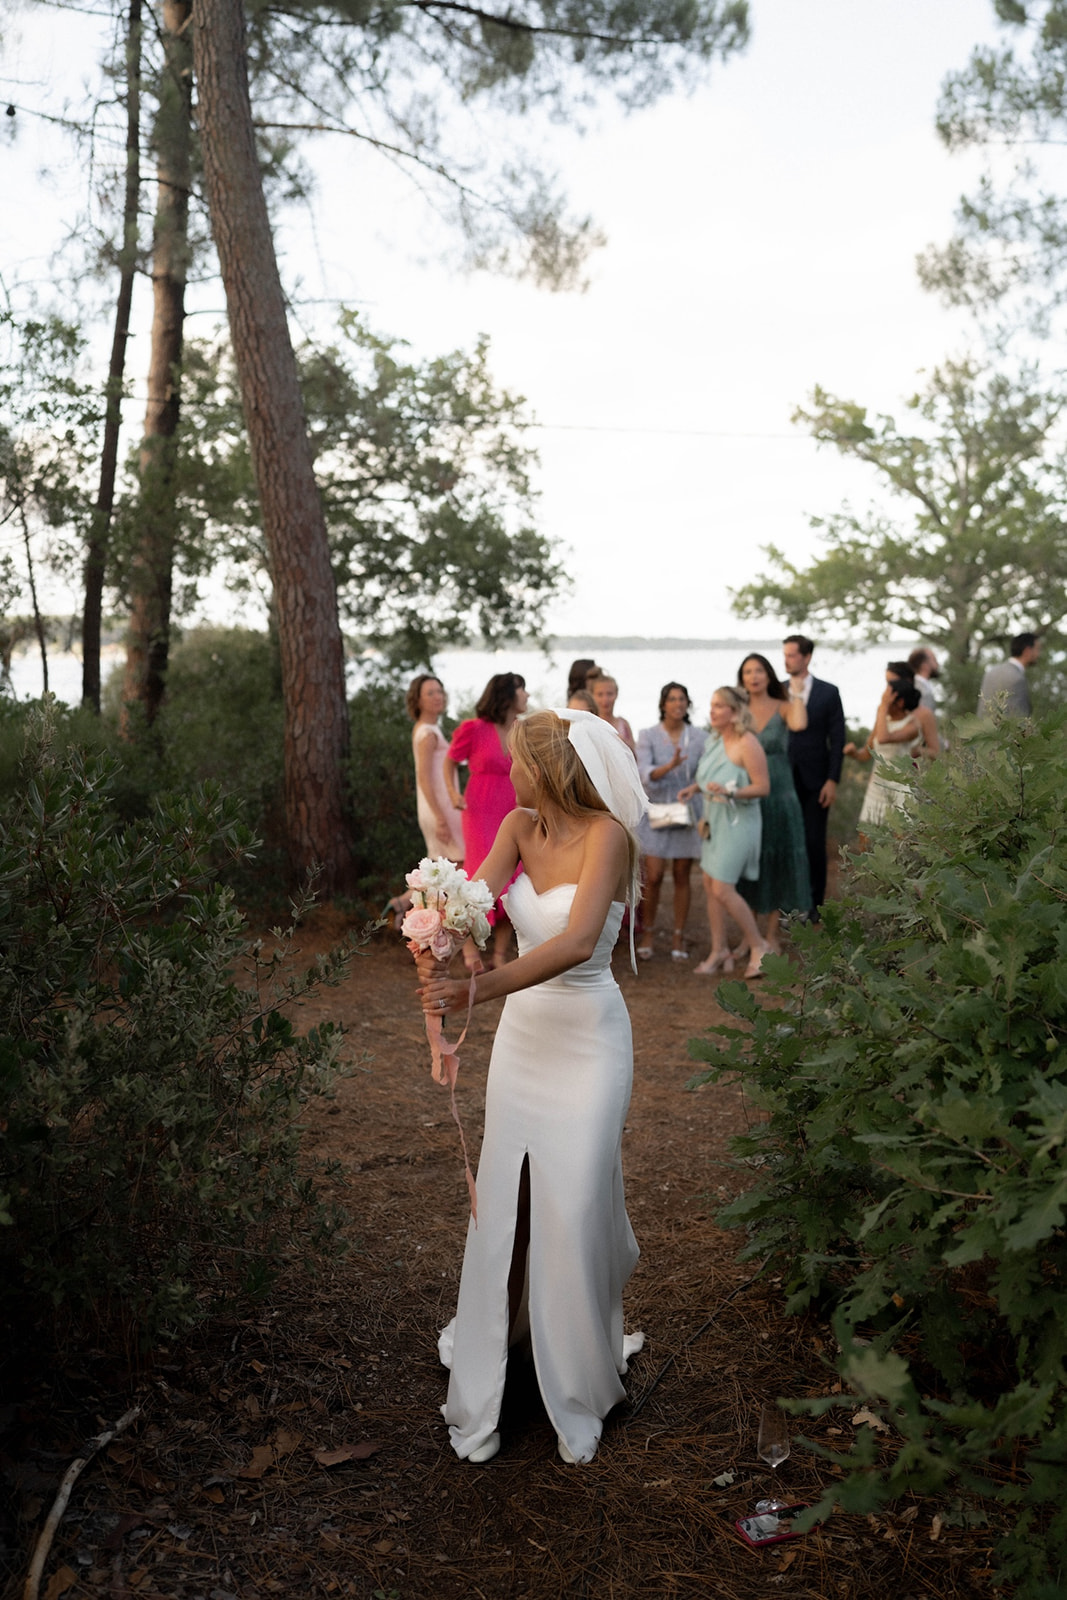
point(667, 757)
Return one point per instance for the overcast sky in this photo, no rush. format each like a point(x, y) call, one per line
point(762, 235)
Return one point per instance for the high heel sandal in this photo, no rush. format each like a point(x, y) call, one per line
point(755, 965)
point(724, 961)
point(678, 954)
point(644, 952)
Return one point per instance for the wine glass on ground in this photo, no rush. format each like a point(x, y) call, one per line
point(772, 1446)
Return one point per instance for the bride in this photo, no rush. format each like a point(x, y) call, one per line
point(546, 1263)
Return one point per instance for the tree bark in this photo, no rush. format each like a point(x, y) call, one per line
point(309, 633)
point(152, 563)
point(100, 527)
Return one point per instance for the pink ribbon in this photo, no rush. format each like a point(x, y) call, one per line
point(445, 1070)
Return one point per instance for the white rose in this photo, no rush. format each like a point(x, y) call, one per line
point(478, 894)
point(457, 916)
point(440, 876)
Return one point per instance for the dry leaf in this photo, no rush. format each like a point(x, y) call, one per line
point(908, 1514)
point(262, 1460)
point(384, 1546)
point(119, 1453)
point(935, 1529)
point(345, 1452)
point(285, 1442)
point(216, 1496)
point(788, 1557)
point(257, 1366)
point(868, 1417)
point(60, 1582)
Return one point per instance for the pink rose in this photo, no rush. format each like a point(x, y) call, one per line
point(414, 879)
point(442, 945)
point(420, 926)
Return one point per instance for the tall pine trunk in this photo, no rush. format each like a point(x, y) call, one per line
point(100, 527)
point(305, 596)
point(152, 561)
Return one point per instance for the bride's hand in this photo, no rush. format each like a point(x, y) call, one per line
point(441, 995)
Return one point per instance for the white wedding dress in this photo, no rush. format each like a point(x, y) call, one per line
point(558, 1092)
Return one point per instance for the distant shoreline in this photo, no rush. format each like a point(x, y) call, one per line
point(608, 642)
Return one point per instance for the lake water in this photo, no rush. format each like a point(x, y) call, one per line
point(859, 674)
point(641, 673)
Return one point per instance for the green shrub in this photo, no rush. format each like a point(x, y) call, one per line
point(221, 721)
point(915, 1149)
point(845, 811)
point(149, 1102)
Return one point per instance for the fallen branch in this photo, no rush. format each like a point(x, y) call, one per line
point(48, 1532)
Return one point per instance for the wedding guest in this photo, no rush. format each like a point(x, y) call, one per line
point(920, 720)
point(581, 671)
point(605, 692)
point(582, 700)
point(1005, 685)
point(784, 883)
point(482, 743)
point(924, 665)
point(732, 776)
point(815, 754)
point(439, 819)
point(898, 739)
point(553, 1247)
point(667, 757)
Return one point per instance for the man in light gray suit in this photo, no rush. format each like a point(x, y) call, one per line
point(1005, 684)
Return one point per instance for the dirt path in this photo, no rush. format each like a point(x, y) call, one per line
point(220, 1494)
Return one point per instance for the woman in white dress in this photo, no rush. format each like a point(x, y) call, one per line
point(440, 821)
point(896, 742)
point(553, 1247)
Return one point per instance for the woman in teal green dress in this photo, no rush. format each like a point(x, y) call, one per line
point(783, 883)
point(732, 776)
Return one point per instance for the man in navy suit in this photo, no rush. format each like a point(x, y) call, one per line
point(815, 756)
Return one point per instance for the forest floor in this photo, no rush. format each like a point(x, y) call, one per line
point(301, 1452)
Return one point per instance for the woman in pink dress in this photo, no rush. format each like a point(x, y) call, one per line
point(482, 742)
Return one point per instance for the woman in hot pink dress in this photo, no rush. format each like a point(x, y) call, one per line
point(482, 742)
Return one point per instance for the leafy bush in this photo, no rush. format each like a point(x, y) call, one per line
point(915, 1143)
point(149, 1102)
point(845, 811)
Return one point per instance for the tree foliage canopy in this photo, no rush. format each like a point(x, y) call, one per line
point(423, 470)
point(409, 77)
point(983, 551)
point(1011, 238)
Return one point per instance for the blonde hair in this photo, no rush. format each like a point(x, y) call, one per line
point(737, 699)
point(582, 700)
point(539, 742)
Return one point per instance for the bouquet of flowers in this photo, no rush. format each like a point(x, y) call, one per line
point(447, 908)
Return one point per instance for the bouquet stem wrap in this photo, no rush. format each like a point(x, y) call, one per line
point(447, 908)
point(445, 1070)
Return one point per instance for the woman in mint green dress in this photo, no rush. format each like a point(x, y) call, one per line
point(783, 882)
point(732, 777)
